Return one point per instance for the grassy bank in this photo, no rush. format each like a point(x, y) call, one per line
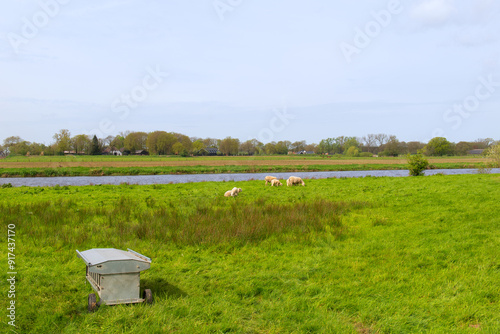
point(405, 255)
point(161, 170)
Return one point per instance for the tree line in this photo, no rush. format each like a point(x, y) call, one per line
point(172, 143)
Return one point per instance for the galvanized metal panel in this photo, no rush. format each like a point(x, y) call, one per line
point(120, 288)
point(97, 256)
point(117, 267)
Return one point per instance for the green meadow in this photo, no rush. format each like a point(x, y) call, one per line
point(349, 255)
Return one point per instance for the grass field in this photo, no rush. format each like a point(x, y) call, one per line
point(361, 255)
point(150, 165)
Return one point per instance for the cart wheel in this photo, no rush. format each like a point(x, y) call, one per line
point(92, 303)
point(148, 296)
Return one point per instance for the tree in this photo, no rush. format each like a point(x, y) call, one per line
point(229, 146)
point(249, 147)
point(438, 146)
point(413, 147)
point(352, 151)
point(96, 147)
point(311, 148)
point(416, 164)
point(282, 147)
point(135, 141)
point(185, 141)
point(211, 142)
point(177, 148)
point(36, 148)
point(63, 141)
point(11, 141)
point(270, 148)
point(160, 142)
point(81, 144)
point(494, 154)
point(381, 139)
point(298, 146)
point(325, 146)
point(345, 143)
point(20, 148)
point(482, 143)
point(198, 145)
point(393, 147)
point(369, 142)
point(117, 142)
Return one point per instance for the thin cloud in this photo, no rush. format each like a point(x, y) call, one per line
point(434, 13)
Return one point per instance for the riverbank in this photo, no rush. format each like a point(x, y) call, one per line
point(227, 177)
point(203, 169)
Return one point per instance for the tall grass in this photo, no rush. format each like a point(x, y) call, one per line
point(212, 222)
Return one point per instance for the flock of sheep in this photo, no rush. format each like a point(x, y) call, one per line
point(292, 180)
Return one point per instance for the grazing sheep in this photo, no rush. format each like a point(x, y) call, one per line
point(293, 180)
point(269, 179)
point(233, 192)
point(276, 183)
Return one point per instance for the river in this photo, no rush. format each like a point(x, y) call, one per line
point(165, 179)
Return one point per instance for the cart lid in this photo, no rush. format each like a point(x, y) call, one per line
point(97, 256)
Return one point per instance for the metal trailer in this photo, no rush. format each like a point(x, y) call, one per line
point(115, 275)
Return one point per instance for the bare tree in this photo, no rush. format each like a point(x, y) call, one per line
point(381, 139)
point(369, 142)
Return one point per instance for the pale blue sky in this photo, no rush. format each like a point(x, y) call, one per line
point(271, 70)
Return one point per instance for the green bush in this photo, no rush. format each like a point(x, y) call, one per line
point(494, 154)
point(417, 164)
point(366, 154)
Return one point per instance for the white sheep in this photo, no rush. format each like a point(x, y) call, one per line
point(293, 180)
point(233, 192)
point(276, 183)
point(269, 179)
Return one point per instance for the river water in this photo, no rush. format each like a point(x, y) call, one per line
point(165, 179)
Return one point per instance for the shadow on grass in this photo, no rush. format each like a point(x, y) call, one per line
point(162, 288)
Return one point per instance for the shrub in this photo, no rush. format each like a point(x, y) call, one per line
point(417, 164)
point(494, 155)
point(366, 154)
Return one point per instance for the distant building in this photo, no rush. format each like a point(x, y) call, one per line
point(141, 152)
point(305, 152)
point(476, 151)
point(112, 151)
point(212, 150)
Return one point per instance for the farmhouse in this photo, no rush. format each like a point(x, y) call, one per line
point(212, 150)
point(476, 151)
point(112, 151)
point(141, 152)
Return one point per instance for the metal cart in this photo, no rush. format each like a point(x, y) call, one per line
point(115, 275)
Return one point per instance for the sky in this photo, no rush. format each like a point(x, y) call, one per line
point(271, 70)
